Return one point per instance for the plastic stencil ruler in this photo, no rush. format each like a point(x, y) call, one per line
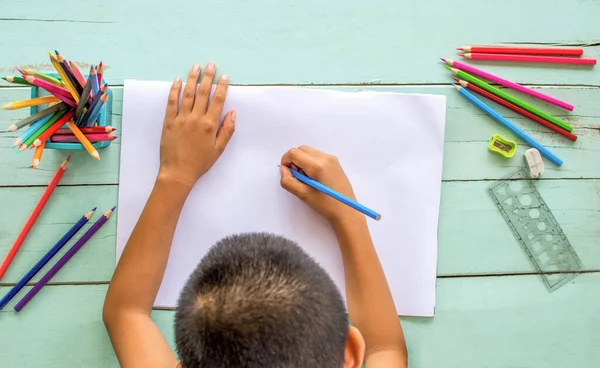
point(536, 229)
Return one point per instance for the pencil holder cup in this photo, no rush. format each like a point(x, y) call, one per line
point(104, 119)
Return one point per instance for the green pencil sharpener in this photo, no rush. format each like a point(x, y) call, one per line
point(502, 146)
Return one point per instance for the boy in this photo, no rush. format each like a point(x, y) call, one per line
point(255, 300)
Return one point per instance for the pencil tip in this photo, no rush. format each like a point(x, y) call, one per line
point(68, 158)
point(112, 209)
point(56, 52)
point(456, 79)
point(443, 59)
point(463, 55)
point(460, 48)
point(94, 209)
point(447, 67)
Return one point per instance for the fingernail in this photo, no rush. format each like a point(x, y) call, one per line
point(233, 114)
point(177, 80)
point(224, 77)
point(196, 69)
point(210, 67)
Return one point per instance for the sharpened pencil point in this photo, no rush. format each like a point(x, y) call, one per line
point(443, 59)
point(94, 209)
point(112, 209)
point(447, 67)
point(463, 55)
point(459, 48)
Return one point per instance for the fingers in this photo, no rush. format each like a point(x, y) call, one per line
point(189, 93)
point(226, 131)
point(173, 100)
point(291, 184)
point(303, 160)
point(203, 93)
point(216, 104)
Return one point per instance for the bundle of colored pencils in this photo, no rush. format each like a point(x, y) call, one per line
point(72, 109)
point(555, 55)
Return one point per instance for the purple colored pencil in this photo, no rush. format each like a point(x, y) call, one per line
point(509, 84)
point(61, 262)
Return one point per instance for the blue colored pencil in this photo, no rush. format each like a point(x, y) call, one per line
point(95, 85)
point(63, 260)
point(88, 114)
point(42, 262)
point(508, 125)
point(96, 112)
point(335, 195)
point(31, 130)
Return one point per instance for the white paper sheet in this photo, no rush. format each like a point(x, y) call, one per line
point(389, 144)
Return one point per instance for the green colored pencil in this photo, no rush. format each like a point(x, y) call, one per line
point(43, 76)
point(29, 141)
point(16, 80)
point(479, 83)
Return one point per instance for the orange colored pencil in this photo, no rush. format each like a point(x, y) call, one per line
point(37, 155)
point(33, 217)
point(53, 128)
point(83, 140)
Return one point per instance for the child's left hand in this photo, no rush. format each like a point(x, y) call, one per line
point(191, 140)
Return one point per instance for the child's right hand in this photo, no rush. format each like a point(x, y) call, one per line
point(327, 170)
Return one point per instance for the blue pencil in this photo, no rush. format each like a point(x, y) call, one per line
point(42, 262)
point(95, 85)
point(332, 193)
point(508, 125)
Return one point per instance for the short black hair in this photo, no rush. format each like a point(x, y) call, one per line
point(258, 300)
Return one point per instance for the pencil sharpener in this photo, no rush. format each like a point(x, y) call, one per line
point(502, 146)
point(104, 119)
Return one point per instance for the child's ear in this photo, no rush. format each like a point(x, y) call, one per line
point(355, 349)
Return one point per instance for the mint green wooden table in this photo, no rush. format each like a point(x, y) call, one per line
point(492, 310)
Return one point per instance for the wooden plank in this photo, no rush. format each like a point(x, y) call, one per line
point(473, 237)
point(265, 41)
point(491, 322)
point(465, 155)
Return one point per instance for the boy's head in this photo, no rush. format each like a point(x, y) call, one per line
point(258, 300)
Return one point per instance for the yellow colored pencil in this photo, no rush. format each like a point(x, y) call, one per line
point(64, 77)
point(31, 102)
point(83, 140)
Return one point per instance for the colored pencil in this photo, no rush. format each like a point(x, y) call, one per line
point(509, 84)
point(68, 138)
point(571, 51)
point(27, 142)
point(63, 260)
point(77, 74)
point(37, 155)
point(53, 89)
point(517, 109)
point(34, 215)
point(89, 130)
point(90, 109)
point(53, 128)
point(95, 85)
point(84, 100)
point(43, 76)
point(83, 140)
point(16, 80)
point(65, 65)
point(31, 102)
point(35, 117)
point(31, 130)
point(64, 77)
point(534, 110)
point(531, 59)
point(96, 111)
point(509, 125)
point(100, 73)
point(47, 257)
point(335, 195)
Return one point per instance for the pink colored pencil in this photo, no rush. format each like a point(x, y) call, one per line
point(509, 84)
point(77, 73)
point(62, 93)
point(571, 51)
point(69, 138)
point(531, 59)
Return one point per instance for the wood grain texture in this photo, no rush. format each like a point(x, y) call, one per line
point(465, 153)
point(493, 322)
point(310, 41)
point(473, 237)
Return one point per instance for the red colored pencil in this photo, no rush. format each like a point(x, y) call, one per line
point(34, 215)
point(100, 73)
point(531, 59)
point(88, 130)
point(95, 137)
point(77, 73)
point(517, 109)
point(53, 128)
point(571, 51)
